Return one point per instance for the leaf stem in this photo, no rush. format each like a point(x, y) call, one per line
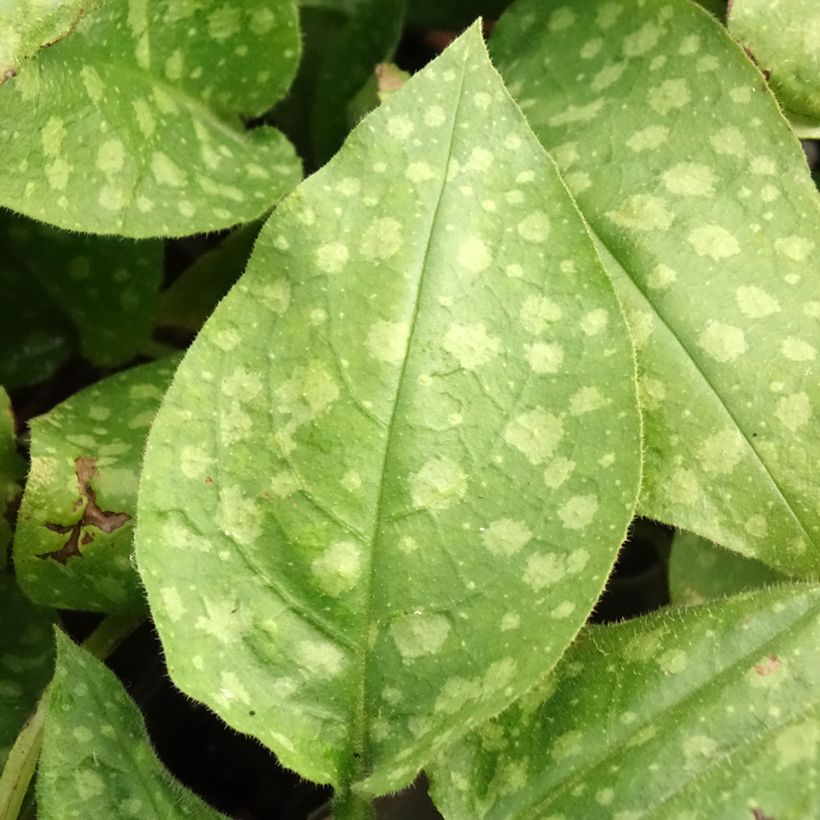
point(22, 759)
point(351, 806)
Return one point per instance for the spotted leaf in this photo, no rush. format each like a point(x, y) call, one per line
point(700, 571)
point(26, 659)
point(72, 548)
point(782, 37)
point(137, 119)
point(707, 712)
point(12, 470)
point(412, 439)
point(706, 218)
point(97, 759)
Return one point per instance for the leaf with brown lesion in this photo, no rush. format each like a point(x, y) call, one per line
point(93, 516)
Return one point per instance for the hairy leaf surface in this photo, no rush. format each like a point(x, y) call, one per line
point(404, 443)
point(783, 38)
point(707, 712)
point(72, 548)
point(132, 124)
point(26, 659)
point(107, 288)
point(706, 219)
point(97, 759)
point(700, 571)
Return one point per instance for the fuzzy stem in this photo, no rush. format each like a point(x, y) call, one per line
point(351, 806)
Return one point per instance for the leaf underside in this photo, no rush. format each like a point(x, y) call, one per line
point(405, 442)
point(72, 547)
point(706, 219)
point(707, 712)
point(139, 135)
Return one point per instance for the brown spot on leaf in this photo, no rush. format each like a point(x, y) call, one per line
point(93, 516)
point(759, 814)
point(768, 665)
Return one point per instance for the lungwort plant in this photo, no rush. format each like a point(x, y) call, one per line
point(491, 461)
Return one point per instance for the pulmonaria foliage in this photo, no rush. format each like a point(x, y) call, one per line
point(708, 712)
point(72, 548)
point(97, 760)
point(131, 123)
point(12, 470)
point(391, 476)
point(706, 219)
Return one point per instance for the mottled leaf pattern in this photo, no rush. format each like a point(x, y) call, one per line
point(26, 659)
point(28, 25)
point(106, 288)
point(72, 548)
point(97, 759)
point(783, 38)
point(707, 220)
point(12, 470)
point(131, 125)
point(392, 473)
point(700, 571)
point(710, 712)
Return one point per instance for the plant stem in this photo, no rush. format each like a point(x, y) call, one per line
point(22, 759)
point(352, 806)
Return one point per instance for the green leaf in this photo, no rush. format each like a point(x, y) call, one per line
point(97, 759)
point(26, 26)
point(131, 125)
point(706, 219)
point(26, 659)
point(191, 299)
point(12, 470)
point(72, 548)
point(700, 571)
point(782, 37)
point(404, 442)
point(107, 288)
point(709, 712)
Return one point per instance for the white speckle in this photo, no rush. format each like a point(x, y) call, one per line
point(558, 472)
point(111, 157)
point(419, 635)
point(755, 302)
point(729, 141)
point(670, 95)
point(660, 277)
point(563, 610)
point(351, 481)
point(382, 239)
point(434, 116)
point(537, 313)
point(241, 516)
point(544, 357)
point(798, 350)
point(648, 139)
point(387, 341)
point(594, 322)
point(438, 484)
point(756, 526)
point(276, 295)
point(643, 212)
point(682, 487)
point(332, 257)
point(724, 343)
point(419, 172)
point(713, 241)
point(586, 400)
point(400, 127)
point(408, 544)
point(672, 661)
point(535, 434)
point(690, 179)
point(506, 537)
point(543, 570)
point(227, 340)
point(470, 345)
point(482, 100)
point(338, 569)
point(535, 227)
point(721, 452)
point(794, 411)
point(88, 784)
point(577, 513)
point(480, 160)
point(194, 461)
point(174, 607)
point(473, 255)
point(796, 248)
point(320, 658)
point(510, 621)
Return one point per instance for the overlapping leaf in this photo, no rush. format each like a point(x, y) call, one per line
point(709, 712)
point(106, 288)
point(12, 470)
point(72, 548)
point(26, 659)
point(707, 221)
point(97, 759)
point(782, 36)
point(131, 125)
point(700, 571)
point(391, 475)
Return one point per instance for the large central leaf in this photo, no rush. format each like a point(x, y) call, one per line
point(390, 477)
point(707, 221)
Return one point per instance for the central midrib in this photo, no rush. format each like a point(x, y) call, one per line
point(358, 757)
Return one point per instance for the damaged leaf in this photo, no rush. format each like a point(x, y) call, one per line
point(74, 535)
point(133, 124)
point(706, 219)
point(405, 441)
point(783, 38)
point(97, 759)
point(704, 712)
